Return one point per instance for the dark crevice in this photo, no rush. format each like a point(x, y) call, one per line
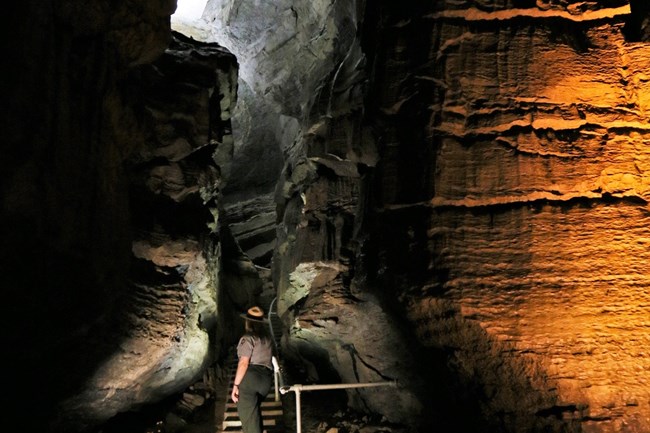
point(585, 202)
point(637, 25)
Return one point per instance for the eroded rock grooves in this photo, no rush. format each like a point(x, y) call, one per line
point(514, 277)
point(161, 339)
point(452, 194)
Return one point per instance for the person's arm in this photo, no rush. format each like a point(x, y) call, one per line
point(242, 366)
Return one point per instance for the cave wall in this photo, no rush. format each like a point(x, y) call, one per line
point(512, 207)
point(169, 332)
point(64, 201)
point(462, 207)
point(336, 327)
point(64, 192)
point(116, 140)
point(291, 54)
point(503, 219)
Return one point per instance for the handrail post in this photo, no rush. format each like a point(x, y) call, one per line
point(276, 366)
point(276, 375)
point(298, 415)
point(271, 323)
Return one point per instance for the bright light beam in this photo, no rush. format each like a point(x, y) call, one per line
point(189, 10)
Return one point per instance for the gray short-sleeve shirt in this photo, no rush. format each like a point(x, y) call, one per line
point(259, 351)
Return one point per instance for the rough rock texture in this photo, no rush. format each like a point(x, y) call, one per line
point(513, 204)
point(344, 336)
point(295, 42)
point(461, 205)
point(186, 97)
point(251, 219)
point(111, 252)
point(504, 222)
point(290, 52)
point(317, 98)
point(66, 243)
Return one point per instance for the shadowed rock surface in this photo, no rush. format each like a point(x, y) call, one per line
point(450, 194)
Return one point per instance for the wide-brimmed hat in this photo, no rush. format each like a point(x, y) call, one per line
point(255, 314)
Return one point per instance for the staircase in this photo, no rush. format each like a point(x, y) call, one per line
point(272, 413)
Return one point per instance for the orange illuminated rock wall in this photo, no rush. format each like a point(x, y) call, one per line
point(519, 131)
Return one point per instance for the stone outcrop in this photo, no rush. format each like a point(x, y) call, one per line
point(328, 152)
point(119, 137)
point(503, 221)
point(64, 196)
point(514, 197)
point(185, 99)
point(344, 336)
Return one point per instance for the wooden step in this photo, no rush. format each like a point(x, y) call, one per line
point(265, 404)
point(237, 423)
point(269, 429)
point(265, 413)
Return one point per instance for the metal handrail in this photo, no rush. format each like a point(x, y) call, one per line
point(297, 389)
point(271, 324)
point(277, 376)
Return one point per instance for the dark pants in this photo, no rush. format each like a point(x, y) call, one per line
point(254, 387)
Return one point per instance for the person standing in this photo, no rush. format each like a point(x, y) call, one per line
point(254, 375)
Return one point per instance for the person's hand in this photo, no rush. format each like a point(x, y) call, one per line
point(235, 394)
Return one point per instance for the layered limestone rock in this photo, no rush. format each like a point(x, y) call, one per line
point(506, 223)
point(302, 61)
point(113, 203)
point(187, 96)
point(461, 205)
point(184, 100)
point(290, 53)
point(514, 204)
point(65, 210)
